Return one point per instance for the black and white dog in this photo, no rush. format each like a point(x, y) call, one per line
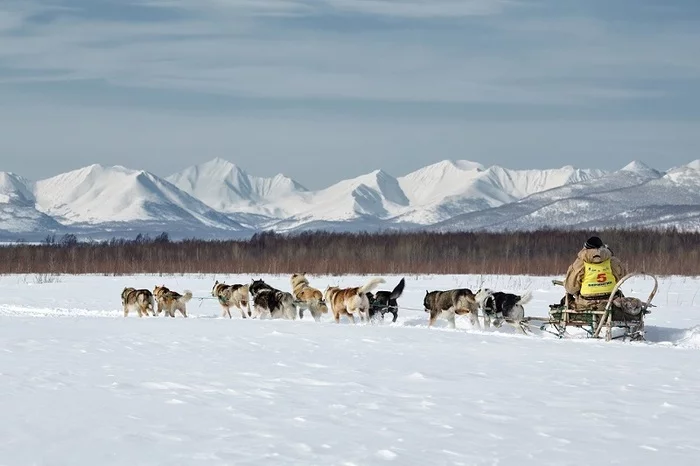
point(270, 302)
point(385, 301)
point(502, 306)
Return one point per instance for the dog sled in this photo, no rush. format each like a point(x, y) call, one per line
point(615, 317)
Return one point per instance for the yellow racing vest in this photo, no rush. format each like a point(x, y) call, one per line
point(598, 279)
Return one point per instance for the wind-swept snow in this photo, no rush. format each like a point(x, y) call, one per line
point(98, 194)
point(450, 188)
point(225, 187)
point(633, 195)
point(17, 207)
point(82, 385)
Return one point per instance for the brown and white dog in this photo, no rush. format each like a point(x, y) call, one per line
point(171, 301)
point(351, 301)
point(232, 295)
point(308, 297)
point(137, 300)
point(448, 303)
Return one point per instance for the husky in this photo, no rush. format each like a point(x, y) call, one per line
point(271, 302)
point(351, 301)
point(232, 295)
point(385, 301)
point(138, 300)
point(504, 306)
point(308, 297)
point(171, 301)
point(450, 303)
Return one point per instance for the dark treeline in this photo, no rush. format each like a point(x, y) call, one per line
point(532, 253)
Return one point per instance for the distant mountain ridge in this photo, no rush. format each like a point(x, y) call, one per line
point(218, 199)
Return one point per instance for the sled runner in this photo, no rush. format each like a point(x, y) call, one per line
point(594, 315)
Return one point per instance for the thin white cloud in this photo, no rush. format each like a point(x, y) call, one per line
point(225, 47)
point(423, 8)
point(395, 8)
point(237, 7)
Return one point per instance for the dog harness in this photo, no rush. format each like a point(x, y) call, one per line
point(598, 279)
point(490, 307)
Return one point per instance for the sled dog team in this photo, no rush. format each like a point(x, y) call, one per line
point(269, 302)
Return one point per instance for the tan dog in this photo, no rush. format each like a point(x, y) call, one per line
point(351, 301)
point(232, 295)
point(308, 297)
point(171, 301)
point(137, 300)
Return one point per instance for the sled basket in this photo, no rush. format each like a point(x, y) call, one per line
point(594, 315)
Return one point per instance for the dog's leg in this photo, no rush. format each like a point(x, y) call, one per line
point(126, 311)
point(451, 318)
point(395, 313)
point(518, 313)
point(315, 312)
point(487, 320)
point(362, 315)
point(183, 310)
point(474, 319)
point(433, 317)
point(290, 313)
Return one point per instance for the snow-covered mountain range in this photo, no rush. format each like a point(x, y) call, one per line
point(218, 199)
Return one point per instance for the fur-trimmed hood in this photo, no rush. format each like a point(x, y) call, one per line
point(594, 256)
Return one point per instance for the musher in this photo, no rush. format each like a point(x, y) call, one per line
point(594, 273)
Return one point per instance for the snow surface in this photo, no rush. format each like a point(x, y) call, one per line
point(81, 385)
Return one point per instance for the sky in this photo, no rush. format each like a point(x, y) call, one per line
point(324, 90)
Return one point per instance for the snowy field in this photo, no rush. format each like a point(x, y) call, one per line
point(81, 385)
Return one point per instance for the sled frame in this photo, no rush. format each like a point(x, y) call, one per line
point(594, 319)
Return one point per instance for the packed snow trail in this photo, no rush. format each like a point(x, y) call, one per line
point(114, 391)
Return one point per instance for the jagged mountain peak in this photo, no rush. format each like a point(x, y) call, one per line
point(225, 187)
point(640, 168)
point(220, 195)
point(114, 194)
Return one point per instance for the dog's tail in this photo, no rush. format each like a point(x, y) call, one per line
point(525, 298)
point(398, 291)
point(370, 285)
point(186, 297)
